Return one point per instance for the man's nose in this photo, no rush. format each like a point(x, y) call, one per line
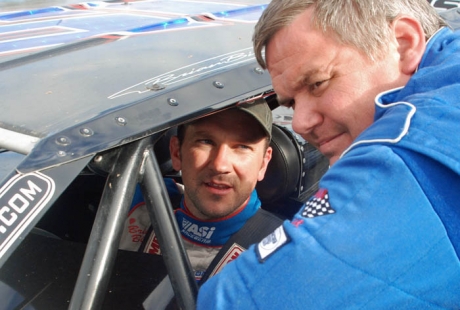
point(306, 117)
point(221, 159)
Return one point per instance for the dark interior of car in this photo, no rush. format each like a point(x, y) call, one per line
point(54, 250)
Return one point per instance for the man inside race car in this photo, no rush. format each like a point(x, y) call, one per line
point(221, 158)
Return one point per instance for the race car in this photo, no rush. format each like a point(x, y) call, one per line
point(91, 93)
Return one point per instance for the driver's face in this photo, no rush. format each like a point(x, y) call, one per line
point(221, 158)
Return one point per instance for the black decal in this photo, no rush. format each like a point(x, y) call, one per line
point(21, 198)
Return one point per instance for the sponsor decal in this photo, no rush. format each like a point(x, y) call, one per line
point(233, 252)
point(196, 69)
point(137, 234)
point(197, 233)
point(153, 245)
point(21, 199)
point(199, 275)
point(136, 229)
point(318, 205)
point(271, 243)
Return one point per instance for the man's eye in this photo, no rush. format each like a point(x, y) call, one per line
point(205, 141)
point(316, 85)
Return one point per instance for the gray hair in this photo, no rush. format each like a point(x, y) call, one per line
point(363, 24)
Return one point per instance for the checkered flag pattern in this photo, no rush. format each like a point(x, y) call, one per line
point(318, 205)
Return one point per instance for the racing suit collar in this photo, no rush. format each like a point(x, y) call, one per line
point(216, 232)
point(390, 101)
point(395, 127)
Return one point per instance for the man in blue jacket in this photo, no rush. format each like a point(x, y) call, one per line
point(375, 86)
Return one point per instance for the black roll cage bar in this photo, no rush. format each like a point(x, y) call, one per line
point(135, 163)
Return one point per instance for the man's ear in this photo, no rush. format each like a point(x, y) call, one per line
point(411, 43)
point(267, 158)
point(174, 150)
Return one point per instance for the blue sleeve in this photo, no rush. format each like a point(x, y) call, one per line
point(171, 187)
point(363, 245)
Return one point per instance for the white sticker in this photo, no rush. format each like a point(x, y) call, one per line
point(271, 243)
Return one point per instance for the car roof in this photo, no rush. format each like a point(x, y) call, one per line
point(81, 78)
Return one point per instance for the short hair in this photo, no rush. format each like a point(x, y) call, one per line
point(363, 24)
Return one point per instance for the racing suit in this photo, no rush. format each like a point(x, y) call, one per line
point(202, 239)
point(383, 230)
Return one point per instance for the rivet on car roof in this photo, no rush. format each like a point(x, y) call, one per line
point(173, 102)
point(156, 87)
point(120, 121)
point(258, 70)
point(61, 153)
point(63, 140)
point(218, 84)
point(86, 132)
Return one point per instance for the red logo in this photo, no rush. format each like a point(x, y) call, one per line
point(154, 247)
point(297, 223)
point(321, 193)
point(232, 253)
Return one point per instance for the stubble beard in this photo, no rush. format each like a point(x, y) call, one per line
point(206, 209)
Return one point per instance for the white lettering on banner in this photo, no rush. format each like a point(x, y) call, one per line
point(19, 209)
point(31, 191)
point(21, 199)
point(19, 204)
point(3, 219)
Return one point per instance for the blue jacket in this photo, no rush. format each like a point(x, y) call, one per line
point(384, 229)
